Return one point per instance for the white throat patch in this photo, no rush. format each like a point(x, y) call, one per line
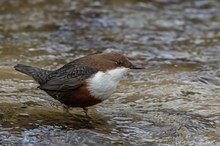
point(103, 84)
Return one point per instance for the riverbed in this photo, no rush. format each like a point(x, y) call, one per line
point(174, 100)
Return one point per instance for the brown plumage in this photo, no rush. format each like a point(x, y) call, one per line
point(69, 84)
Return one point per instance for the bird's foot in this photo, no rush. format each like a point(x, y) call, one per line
point(66, 110)
point(86, 112)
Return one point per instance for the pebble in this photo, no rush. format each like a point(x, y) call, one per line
point(23, 115)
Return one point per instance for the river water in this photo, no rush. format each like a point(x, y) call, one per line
point(174, 100)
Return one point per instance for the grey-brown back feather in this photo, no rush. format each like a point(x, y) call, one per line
point(65, 79)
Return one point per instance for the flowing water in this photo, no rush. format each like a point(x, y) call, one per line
point(174, 100)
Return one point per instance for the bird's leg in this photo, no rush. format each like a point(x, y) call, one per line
point(66, 109)
point(86, 111)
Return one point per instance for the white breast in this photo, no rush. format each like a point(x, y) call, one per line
point(102, 84)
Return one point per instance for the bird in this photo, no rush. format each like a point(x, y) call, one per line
point(83, 82)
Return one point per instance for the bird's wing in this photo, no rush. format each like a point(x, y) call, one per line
point(65, 79)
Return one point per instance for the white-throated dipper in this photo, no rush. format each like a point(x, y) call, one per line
point(83, 82)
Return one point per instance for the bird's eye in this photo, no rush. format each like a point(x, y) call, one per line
point(119, 62)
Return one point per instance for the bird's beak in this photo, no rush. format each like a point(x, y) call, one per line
point(134, 66)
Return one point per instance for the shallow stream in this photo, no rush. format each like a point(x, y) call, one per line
point(174, 100)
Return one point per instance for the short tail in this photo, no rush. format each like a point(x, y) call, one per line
point(39, 75)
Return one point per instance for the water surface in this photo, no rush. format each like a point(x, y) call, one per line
point(173, 101)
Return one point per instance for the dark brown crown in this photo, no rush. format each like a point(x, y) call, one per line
point(103, 61)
